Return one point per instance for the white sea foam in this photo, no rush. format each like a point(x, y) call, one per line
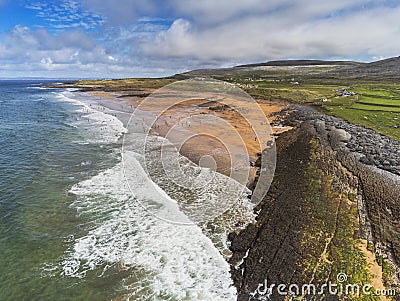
point(123, 228)
point(173, 260)
point(35, 88)
point(102, 126)
point(216, 203)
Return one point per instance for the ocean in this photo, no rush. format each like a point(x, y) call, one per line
point(73, 228)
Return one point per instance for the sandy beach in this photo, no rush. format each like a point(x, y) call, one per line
point(195, 127)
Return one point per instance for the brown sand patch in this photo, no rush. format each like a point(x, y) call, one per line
point(374, 269)
point(203, 117)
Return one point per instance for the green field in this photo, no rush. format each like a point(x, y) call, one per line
point(372, 107)
point(375, 106)
point(382, 122)
point(380, 101)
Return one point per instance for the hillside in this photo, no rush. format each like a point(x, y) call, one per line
point(302, 63)
point(387, 69)
point(295, 66)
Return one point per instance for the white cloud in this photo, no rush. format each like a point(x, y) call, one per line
point(295, 32)
point(210, 31)
point(65, 14)
point(50, 51)
point(124, 11)
point(158, 37)
point(74, 53)
point(34, 6)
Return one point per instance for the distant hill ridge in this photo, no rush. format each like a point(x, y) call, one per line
point(390, 64)
point(382, 70)
point(300, 63)
point(386, 69)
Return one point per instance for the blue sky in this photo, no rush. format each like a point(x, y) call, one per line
point(108, 38)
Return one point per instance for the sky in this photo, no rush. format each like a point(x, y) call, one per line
point(154, 38)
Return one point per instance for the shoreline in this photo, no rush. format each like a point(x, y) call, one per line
point(201, 146)
point(303, 127)
point(208, 235)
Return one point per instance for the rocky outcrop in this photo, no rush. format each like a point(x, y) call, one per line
point(323, 200)
point(274, 242)
point(375, 160)
point(373, 148)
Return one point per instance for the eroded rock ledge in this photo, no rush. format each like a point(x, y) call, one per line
point(332, 188)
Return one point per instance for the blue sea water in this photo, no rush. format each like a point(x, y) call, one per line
point(70, 229)
point(42, 154)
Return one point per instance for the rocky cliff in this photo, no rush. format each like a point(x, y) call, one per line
point(324, 202)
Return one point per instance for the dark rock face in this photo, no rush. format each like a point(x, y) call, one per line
point(306, 213)
point(274, 243)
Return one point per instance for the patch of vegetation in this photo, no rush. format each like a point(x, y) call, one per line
point(379, 101)
point(387, 269)
point(375, 106)
point(386, 123)
point(332, 228)
point(127, 83)
point(370, 107)
point(388, 90)
point(351, 197)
